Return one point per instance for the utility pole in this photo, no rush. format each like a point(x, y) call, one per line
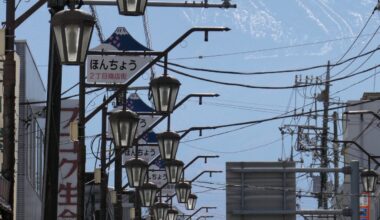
point(323, 199)
point(336, 156)
point(104, 179)
point(9, 82)
point(52, 131)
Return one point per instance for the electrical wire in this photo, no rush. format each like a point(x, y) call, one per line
point(255, 122)
point(271, 87)
point(267, 49)
point(273, 71)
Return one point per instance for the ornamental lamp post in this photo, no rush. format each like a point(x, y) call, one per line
point(160, 211)
point(148, 194)
point(183, 191)
point(123, 126)
point(168, 144)
point(165, 90)
point(174, 169)
point(131, 7)
point(72, 31)
point(191, 202)
point(136, 171)
point(172, 214)
point(369, 179)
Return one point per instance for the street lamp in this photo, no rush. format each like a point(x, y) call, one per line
point(369, 179)
point(124, 126)
point(192, 200)
point(136, 171)
point(168, 144)
point(172, 214)
point(160, 211)
point(174, 169)
point(131, 7)
point(183, 191)
point(148, 193)
point(72, 31)
point(165, 90)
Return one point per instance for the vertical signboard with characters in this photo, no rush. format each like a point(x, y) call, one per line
point(365, 204)
point(68, 164)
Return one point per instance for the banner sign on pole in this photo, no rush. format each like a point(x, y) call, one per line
point(68, 164)
point(110, 69)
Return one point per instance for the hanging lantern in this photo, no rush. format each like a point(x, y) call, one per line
point(191, 202)
point(168, 144)
point(165, 91)
point(174, 170)
point(148, 193)
point(160, 211)
point(131, 7)
point(183, 191)
point(369, 180)
point(72, 32)
point(172, 214)
point(136, 171)
point(123, 126)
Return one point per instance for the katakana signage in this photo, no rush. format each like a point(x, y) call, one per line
point(68, 164)
point(114, 68)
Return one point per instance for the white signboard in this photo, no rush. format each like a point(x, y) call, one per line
point(157, 175)
point(68, 164)
point(114, 69)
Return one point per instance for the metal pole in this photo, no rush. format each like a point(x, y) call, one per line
point(137, 206)
point(9, 83)
point(52, 131)
point(322, 200)
point(355, 189)
point(336, 155)
point(104, 179)
point(118, 184)
point(82, 146)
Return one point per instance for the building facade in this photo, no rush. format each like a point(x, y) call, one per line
point(364, 129)
point(30, 143)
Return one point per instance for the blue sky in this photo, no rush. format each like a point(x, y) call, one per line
point(266, 35)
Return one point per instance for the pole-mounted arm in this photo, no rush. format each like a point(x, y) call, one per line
point(203, 207)
point(200, 157)
point(191, 162)
point(206, 171)
point(372, 157)
point(205, 217)
point(362, 112)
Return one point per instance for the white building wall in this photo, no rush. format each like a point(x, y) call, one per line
point(364, 130)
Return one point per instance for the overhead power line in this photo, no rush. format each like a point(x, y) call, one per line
point(272, 71)
point(269, 49)
point(269, 87)
point(254, 122)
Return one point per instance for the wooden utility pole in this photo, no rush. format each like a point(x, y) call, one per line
point(104, 179)
point(323, 199)
point(52, 131)
point(9, 82)
point(336, 155)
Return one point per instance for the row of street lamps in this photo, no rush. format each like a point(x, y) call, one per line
point(73, 29)
point(124, 125)
point(71, 32)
